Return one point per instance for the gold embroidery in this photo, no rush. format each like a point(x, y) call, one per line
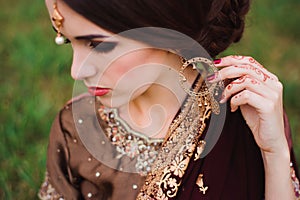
point(47, 191)
point(200, 183)
point(200, 149)
point(295, 182)
point(164, 180)
point(129, 142)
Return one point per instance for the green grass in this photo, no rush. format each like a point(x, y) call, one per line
point(35, 81)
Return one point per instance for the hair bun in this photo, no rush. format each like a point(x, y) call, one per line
point(226, 25)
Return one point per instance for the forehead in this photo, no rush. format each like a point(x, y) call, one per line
point(74, 23)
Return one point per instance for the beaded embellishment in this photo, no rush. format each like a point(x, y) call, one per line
point(47, 191)
point(182, 140)
point(129, 142)
point(295, 182)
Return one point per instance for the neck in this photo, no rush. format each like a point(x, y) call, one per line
point(152, 112)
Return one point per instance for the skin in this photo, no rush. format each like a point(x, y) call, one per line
point(140, 78)
point(256, 91)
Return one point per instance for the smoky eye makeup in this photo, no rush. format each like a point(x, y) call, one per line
point(94, 42)
point(102, 46)
point(98, 42)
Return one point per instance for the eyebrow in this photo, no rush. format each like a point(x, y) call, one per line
point(90, 37)
point(86, 37)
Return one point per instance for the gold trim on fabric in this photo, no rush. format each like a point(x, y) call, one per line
point(47, 191)
point(200, 183)
point(177, 150)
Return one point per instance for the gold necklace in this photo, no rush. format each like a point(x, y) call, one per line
point(129, 142)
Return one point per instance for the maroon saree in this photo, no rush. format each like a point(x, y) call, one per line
point(233, 169)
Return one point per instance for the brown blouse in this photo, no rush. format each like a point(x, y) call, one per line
point(233, 169)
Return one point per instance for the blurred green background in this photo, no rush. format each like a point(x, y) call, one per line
point(35, 80)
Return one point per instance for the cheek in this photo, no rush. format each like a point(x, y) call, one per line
point(127, 65)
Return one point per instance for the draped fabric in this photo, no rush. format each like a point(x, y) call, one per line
point(233, 169)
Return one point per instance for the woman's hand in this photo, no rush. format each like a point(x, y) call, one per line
point(258, 93)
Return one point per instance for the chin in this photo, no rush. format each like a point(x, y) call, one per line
point(112, 102)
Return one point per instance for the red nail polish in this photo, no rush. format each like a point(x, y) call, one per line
point(222, 100)
point(211, 77)
point(217, 61)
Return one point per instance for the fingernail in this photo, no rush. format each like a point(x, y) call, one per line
point(211, 77)
point(217, 61)
point(234, 108)
point(222, 100)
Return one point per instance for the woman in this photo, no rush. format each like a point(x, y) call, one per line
point(145, 134)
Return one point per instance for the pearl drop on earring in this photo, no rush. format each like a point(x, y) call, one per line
point(59, 40)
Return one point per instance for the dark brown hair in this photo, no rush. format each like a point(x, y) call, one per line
point(215, 24)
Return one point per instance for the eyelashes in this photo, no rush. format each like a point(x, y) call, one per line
point(102, 47)
point(98, 46)
point(67, 41)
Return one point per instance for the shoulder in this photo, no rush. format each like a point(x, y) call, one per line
point(74, 113)
point(80, 100)
point(81, 105)
point(76, 124)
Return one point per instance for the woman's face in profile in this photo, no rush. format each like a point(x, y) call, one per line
point(115, 66)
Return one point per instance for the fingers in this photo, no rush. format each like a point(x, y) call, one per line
point(247, 83)
point(236, 71)
point(252, 84)
point(235, 59)
point(247, 63)
point(258, 94)
point(252, 99)
point(262, 105)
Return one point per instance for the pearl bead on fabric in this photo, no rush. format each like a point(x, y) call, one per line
point(134, 186)
point(89, 195)
point(80, 121)
point(97, 174)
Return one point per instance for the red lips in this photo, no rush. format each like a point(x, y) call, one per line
point(97, 91)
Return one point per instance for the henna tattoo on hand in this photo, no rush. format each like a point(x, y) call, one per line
point(253, 61)
point(236, 57)
point(255, 82)
point(240, 80)
point(256, 70)
point(237, 96)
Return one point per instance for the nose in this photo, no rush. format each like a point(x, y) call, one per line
point(81, 69)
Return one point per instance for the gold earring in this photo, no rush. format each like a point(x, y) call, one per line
point(58, 19)
point(207, 91)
